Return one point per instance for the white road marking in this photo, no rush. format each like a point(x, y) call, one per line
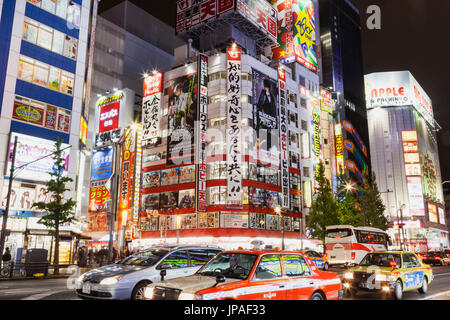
point(436, 295)
point(23, 290)
point(441, 274)
point(40, 296)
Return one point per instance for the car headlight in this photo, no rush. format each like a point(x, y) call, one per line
point(380, 277)
point(148, 293)
point(110, 281)
point(348, 275)
point(81, 278)
point(188, 296)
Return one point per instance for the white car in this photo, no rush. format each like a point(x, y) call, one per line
point(127, 278)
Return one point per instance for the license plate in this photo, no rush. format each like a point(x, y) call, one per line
point(86, 288)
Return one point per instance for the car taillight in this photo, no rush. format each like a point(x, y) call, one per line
point(325, 256)
point(353, 256)
point(437, 258)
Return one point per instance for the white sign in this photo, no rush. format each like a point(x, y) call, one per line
point(203, 123)
point(234, 125)
point(34, 155)
point(416, 203)
point(151, 106)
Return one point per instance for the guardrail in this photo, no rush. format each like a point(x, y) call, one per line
point(30, 269)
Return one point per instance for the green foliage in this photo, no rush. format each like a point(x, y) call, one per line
point(59, 210)
point(324, 211)
point(372, 205)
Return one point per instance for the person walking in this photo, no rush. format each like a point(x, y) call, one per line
point(6, 258)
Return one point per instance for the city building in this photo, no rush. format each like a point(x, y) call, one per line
point(43, 94)
point(129, 42)
point(204, 181)
point(342, 75)
point(405, 159)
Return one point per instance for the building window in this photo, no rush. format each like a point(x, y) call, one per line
point(67, 80)
point(303, 103)
point(302, 81)
point(304, 125)
point(65, 9)
point(40, 74)
point(50, 39)
point(306, 172)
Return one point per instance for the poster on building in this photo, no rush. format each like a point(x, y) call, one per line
point(234, 220)
point(97, 222)
point(102, 162)
point(201, 142)
point(316, 138)
point(32, 151)
point(170, 177)
point(284, 139)
point(340, 164)
point(182, 99)
point(151, 106)
point(151, 179)
point(150, 202)
point(127, 172)
point(296, 33)
point(266, 117)
point(168, 200)
point(208, 220)
point(432, 213)
point(326, 101)
point(98, 196)
point(187, 174)
point(109, 110)
point(415, 193)
point(441, 216)
point(137, 173)
point(186, 199)
point(234, 125)
point(261, 14)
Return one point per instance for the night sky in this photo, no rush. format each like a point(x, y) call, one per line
point(413, 37)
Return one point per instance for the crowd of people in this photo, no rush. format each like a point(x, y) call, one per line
point(92, 257)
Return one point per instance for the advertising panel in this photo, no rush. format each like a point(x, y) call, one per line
point(102, 162)
point(109, 110)
point(150, 202)
point(98, 195)
point(201, 138)
point(137, 173)
point(168, 200)
point(307, 191)
point(296, 33)
point(186, 199)
point(187, 174)
point(151, 179)
point(432, 213)
point(265, 117)
point(284, 140)
point(234, 125)
point(416, 201)
point(261, 14)
point(208, 220)
point(340, 164)
point(23, 196)
point(431, 182)
point(32, 151)
point(97, 221)
point(316, 136)
point(128, 170)
point(234, 220)
point(83, 129)
point(182, 99)
point(151, 106)
point(441, 216)
point(326, 101)
point(170, 176)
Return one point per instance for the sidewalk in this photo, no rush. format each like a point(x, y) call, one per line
point(62, 274)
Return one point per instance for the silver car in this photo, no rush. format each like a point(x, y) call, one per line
point(127, 278)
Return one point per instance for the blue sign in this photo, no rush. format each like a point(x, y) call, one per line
point(102, 164)
point(414, 280)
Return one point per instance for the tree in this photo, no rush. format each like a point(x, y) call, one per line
point(323, 211)
point(347, 204)
point(59, 210)
point(372, 205)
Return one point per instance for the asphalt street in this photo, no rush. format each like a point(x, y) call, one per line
point(58, 289)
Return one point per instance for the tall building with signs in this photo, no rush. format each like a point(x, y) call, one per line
point(343, 76)
point(227, 134)
point(405, 158)
point(44, 81)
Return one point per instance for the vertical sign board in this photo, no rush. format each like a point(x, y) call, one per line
point(151, 106)
point(340, 166)
point(317, 137)
point(202, 123)
point(127, 172)
point(284, 143)
point(137, 176)
point(234, 122)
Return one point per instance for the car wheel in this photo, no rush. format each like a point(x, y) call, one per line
point(424, 288)
point(317, 296)
point(138, 291)
point(325, 266)
point(398, 290)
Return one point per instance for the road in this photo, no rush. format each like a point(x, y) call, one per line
point(57, 289)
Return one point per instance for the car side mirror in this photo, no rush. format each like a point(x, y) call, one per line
point(163, 273)
point(220, 278)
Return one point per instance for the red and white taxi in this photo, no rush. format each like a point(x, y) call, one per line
point(252, 275)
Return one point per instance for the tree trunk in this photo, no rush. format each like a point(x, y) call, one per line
point(56, 255)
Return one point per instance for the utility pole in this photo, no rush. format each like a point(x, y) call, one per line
point(8, 197)
point(113, 195)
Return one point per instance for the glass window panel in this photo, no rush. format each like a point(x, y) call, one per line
point(40, 75)
point(177, 260)
point(73, 14)
point(45, 37)
point(198, 257)
point(70, 47)
point(49, 5)
point(67, 83)
point(54, 78)
point(58, 42)
point(25, 71)
point(30, 31)
point(61, 8)
point(269, 267)
point(35, 2)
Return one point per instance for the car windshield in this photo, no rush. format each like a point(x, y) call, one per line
point(145, 258)
point(380, 259)
point(230, 264)
point(338, 233)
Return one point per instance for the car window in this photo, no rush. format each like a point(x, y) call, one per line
point(269, 267)
point(230, 264)
point(198, 257)
point(213, 253)
point(407, 263)
point(176, 260)
point(414, 261)
point(309, 254)
point(317, 255)
point(295, 266)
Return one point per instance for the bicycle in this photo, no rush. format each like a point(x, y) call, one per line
point(6, 269)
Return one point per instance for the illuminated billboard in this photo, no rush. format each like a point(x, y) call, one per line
point(151, 106)
point(296, 32)
point(396, 89)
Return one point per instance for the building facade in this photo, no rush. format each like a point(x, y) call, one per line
point(405, 160)
point(43, 96)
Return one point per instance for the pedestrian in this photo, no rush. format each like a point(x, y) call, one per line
point(6, 258)
point(114, 255)
point(91, 257)
point(84, 257)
